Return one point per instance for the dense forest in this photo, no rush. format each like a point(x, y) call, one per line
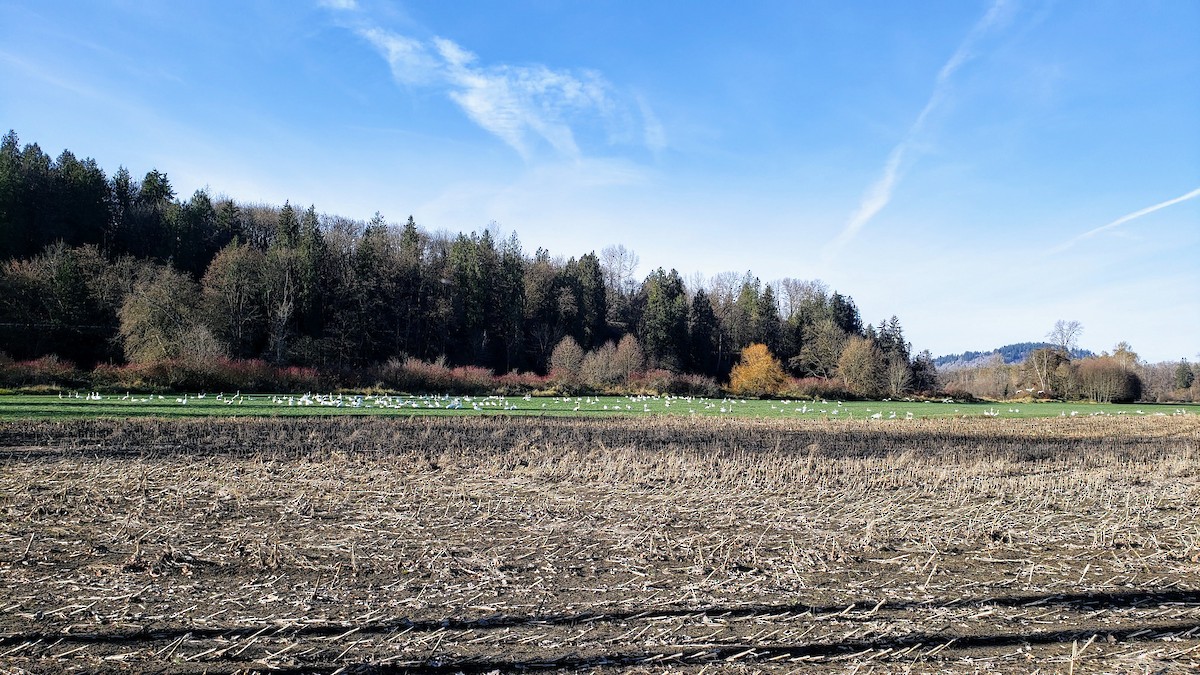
point(102, 269)
point(115, 275)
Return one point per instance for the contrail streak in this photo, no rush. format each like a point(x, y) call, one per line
point(1125, 219)
point(880, 193)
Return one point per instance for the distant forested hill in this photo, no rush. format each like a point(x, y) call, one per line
point(1014, 353)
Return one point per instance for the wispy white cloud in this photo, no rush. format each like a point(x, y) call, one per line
point(410, 60)
point(519, 104)
point(343, 5)
point(653, 133)
point(879, 194)
point(1125, 219)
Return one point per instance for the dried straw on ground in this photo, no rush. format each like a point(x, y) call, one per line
point(660, 545)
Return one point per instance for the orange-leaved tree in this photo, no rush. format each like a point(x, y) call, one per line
point(758, 373)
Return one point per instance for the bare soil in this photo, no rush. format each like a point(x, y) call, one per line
point(664, 545)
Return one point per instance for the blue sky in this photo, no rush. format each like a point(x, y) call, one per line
point(978, 168)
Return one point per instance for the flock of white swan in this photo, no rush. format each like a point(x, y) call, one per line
point(630, 404)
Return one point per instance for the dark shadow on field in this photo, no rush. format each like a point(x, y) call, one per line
point(913, 646)
point(919, 643)
point(377, 436)
point(860, 611)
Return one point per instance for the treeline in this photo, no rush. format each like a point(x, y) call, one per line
point(1049, 372)
point(100, 270)
point(117, 281)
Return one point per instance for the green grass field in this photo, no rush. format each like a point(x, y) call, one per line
point(26, 406)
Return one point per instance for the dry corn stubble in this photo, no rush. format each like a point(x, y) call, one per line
point(513, 544)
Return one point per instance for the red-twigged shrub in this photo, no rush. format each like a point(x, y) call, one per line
point(520, 383)
point(165, 375)
point(297, 378)
point(207, 375)
point(110, 377)
point(45, 371)
point(417, 376)
point(472, 380)
point(659, 381)
point(815, 388)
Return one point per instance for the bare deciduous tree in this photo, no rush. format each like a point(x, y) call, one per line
point(862, 367)
point(159, 315)
point(822, 348)
point(280, 294)
point(1124, 355)
point(1065, 335)
point(796, 293)
point(899, 376)
point(233, 296)
point(566, 361)
point(619, 265)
